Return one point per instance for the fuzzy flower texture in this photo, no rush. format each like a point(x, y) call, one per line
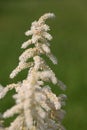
point(36, 107)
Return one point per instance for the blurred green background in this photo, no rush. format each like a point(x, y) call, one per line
point(69, 45)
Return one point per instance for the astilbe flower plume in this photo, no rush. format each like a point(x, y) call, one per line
point(37, 107)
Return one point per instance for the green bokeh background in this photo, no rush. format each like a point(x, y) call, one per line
point(69, 45)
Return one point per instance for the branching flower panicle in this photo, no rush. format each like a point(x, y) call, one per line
point(37, 107)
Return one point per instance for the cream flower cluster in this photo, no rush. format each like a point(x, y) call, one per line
point(37, 107)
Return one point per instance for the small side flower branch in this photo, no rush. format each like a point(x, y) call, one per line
point(37, 107)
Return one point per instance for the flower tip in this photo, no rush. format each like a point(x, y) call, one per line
point(11, 76)
point(26, 33)
point(61, 85)
point(23, 47)
point(53, 15)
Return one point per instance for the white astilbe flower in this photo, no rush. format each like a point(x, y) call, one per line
point(36, 107)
